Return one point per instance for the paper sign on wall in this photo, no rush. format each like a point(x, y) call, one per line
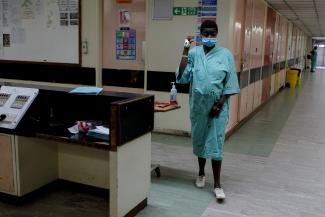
point(126, 44)
point(124, 19)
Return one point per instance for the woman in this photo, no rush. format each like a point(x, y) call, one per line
point(210, 70)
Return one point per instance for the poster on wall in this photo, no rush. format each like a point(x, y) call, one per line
point(124, 19)
point(126, 44)
point(69, 12)
point(207, 10)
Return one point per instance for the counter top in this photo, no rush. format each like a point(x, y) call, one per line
point(128, 116)
point(77, 139)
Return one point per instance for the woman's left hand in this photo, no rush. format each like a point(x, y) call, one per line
point(215, 110)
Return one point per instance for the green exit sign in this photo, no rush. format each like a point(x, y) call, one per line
point(185, 11)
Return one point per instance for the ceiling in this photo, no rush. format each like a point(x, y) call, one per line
point(309, 15)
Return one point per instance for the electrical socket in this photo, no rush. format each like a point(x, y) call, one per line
point(84, 47)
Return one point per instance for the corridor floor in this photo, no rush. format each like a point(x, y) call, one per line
point(273, 165)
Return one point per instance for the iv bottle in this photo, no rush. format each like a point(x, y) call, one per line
point(173, 94)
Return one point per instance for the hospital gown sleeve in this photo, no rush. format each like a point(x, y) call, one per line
point(187, 75)
point(231, 85)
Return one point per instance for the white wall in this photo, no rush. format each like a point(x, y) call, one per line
point(165, 38)
point(164, 45)
point(91, 12)
point(225, 20)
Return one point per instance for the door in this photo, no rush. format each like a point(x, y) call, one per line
point(259, 16)
point(321, 55)
point(238, 43)
point(283, 50)
point(276, 45)
point(6, 164)
point(268, 53)
point(245, 60)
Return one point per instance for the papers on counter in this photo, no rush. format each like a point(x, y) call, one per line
point(87, 90)
point(74, 129)
point(100, 129)
point(99, 132)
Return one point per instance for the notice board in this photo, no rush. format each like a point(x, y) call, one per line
point(40, 31)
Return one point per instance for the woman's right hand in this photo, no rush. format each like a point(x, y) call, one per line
point(190, 39)
point(187, 44)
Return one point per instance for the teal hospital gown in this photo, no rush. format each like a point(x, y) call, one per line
point(313, 60)
point(211, 76)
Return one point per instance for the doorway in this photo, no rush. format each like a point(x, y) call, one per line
point(321, 55)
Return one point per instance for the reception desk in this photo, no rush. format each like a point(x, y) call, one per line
point(41, 150)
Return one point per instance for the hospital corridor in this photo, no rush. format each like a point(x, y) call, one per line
point(162, 108)
point(280, 174)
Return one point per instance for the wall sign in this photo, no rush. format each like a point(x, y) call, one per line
point(124, 19)
point(126, 45)
point(185, 11)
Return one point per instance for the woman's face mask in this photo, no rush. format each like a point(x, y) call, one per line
point(209, 42)
point(209, 37)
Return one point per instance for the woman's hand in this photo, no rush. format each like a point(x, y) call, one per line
point(217, 107)
point(188, 41)
point(215, 110)
point(187, 44)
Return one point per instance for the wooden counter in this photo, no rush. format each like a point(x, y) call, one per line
point(40, 150)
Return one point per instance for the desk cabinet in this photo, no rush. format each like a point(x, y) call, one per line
point(7, 174)
point(26, 164)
